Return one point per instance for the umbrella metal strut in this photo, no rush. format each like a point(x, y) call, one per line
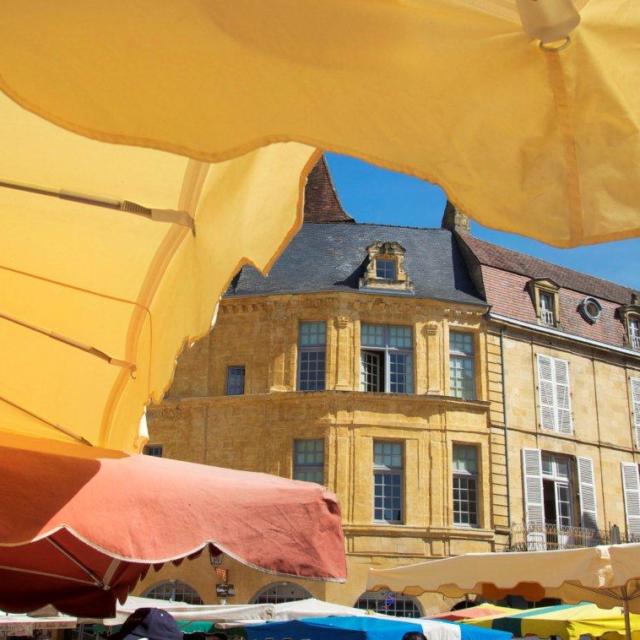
point(158, 215)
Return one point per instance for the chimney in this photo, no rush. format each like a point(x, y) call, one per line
point(454, 220)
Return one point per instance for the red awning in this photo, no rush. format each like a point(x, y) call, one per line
point(79, 526)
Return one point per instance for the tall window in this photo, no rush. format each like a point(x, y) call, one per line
point(634, 332)
point(554, 394)
point(386, 358)
point(547, 309)
point(235, 381)
point(462, 377)
point(311, 356)
point(387, 482)
point(308, 460)
point(465, 485)
point(557, 495)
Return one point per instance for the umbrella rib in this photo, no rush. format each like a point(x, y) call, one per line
point(72, 343)
point(159, 215)
point(67, 554)
point(46, 574)
point(53, 425)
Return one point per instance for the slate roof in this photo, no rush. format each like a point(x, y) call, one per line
point(331, 257)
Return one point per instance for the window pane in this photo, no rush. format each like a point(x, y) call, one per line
point(465, 458)
point(312, 334)
point(387, 454)
point(372, 335)
point(312, 370)
point(385, 269)
point(308, 460)
point(400, 373)
point(371, 373)
point(461, 343)
point(152, 450)
point(235, 381)
point(465, 500)
point(400, 337)
point(392, 604)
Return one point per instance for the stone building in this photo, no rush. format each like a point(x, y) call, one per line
point(413, 372)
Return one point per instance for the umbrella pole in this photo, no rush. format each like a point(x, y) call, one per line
point(627, 619)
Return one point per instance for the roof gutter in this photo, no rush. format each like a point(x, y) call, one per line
point(560, 334)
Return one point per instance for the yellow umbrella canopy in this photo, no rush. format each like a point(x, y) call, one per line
point(100, 295)
point(539, 141)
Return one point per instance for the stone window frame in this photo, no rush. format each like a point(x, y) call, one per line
point(391, 251)
point(469, 357)
point(629, 313)
point(544, 285)
point(312, 371)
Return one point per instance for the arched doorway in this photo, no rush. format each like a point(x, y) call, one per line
point(280, 592)
point(174, 590)
point(392, 604)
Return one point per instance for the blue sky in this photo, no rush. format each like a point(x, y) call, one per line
point(371, 194)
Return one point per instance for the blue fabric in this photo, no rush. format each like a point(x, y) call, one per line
point(333, 628)
point(469, 632)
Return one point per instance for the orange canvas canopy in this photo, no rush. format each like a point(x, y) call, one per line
point(78, 529)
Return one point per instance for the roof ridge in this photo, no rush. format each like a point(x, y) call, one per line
point(466, 237)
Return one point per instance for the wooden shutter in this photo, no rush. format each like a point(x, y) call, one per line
point(635, 407)
point(533, 498)
point(546, 392)
point(562, 395)
point(588, 505)
point(631, 488)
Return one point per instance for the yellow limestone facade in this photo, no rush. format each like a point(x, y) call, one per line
point(256, 431)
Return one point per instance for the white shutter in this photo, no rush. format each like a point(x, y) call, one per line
point(562, 396)
point(631, 487)
point(635, 403)
point(588, 505)
point(546, 392)
point(533, 498)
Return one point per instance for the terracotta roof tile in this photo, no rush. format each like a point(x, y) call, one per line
point(321, 203)
point(494, 256)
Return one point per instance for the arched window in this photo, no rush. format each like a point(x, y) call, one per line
point(392, 604)
point(176, 591)
point(280, 592)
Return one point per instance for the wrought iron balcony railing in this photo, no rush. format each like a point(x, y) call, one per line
point(528, 537)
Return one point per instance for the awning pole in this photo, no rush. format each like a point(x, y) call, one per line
point(627, 619)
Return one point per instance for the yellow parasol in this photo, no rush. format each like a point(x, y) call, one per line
point(111, 259)
point(538, 140)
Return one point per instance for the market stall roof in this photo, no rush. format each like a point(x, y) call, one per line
point(22, 624)
point(567, 622)
point(479, 611)
point(373, 627)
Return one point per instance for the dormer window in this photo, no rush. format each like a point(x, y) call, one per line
point(634, 332)
point(385, 268)
point(630, 316)
point(546, 300)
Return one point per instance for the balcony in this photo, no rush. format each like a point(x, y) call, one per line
point(549, 537)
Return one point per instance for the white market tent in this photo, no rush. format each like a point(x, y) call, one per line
point(229, 616)
point(22, 624)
